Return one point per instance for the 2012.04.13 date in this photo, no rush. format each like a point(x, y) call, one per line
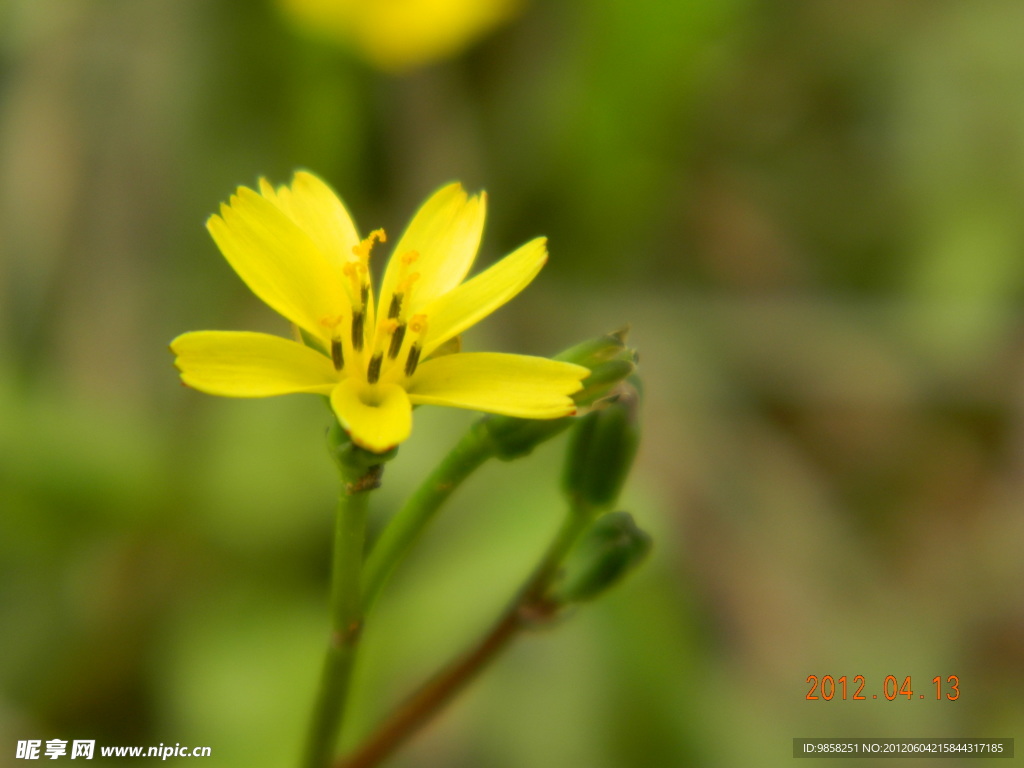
point(827, 688)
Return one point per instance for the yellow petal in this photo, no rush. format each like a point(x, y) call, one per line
point(472, 301)
point(243, 364)
point(268, 191)
point(397, 36)
point(278, 261)
point(513, 385)
point(376, 416)
point(318, 212)
point(445, 232)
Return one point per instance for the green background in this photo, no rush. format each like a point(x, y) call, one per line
point(809, 212)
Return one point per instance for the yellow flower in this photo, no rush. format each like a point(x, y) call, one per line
point(397, 35)
point(297, 249)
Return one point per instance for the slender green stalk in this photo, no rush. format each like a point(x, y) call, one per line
point(579, 516)
point(346, 619)
point(469, 453)
point(530, 607)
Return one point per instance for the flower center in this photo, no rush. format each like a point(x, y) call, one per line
point(394, 329)
point(396, 334)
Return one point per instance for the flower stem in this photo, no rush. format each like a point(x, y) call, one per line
point(530, 608)
point(469, 453)
point(346, 617)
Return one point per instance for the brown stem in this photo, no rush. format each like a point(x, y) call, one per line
point(530, 608)
point(419, 708)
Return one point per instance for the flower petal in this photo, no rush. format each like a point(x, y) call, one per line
point(445, 232)
point(243, 364)
point(475, 299)
point(376, 416)
point(513, 385)
point(321, 214)
point(278, 261)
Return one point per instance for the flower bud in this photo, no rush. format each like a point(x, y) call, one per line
point(596, 350)
point(602, 380)
point(609, 360)
point(601, 451)
point(513, 438)
point(612, 547)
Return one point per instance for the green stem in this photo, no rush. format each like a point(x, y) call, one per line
point(346, 618)
point(530, 607)
point(469, 453)
point(580, 515)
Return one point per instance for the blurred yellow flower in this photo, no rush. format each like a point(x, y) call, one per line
point(401, 34)
point(297, 249)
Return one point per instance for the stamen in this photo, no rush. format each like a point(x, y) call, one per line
point(403, 284)
point(363, 249)
point(413, 360)
point(396, 341)
point(373, 372)
point(331, 322)
point(358, 319)
point(356, 273)
point(417, 325)
point(396, 306)
point(336, 354)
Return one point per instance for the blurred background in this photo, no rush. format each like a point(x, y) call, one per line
point(810, 214)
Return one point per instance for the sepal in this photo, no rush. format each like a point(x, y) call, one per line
point(356, 464)
point(611, 548)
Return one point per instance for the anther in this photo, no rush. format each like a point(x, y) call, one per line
point(396, 306)
point(373, 371)
point(413, 360)
point(403, 288)
point(417, 325)
point(336, 354)
point(358, 318)
point(396, 341)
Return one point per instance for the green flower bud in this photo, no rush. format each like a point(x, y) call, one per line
point(612, 547)
point(602, 380)
point(513, 438)
point(609, 360)
point(601, 451)
point(597, 350)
